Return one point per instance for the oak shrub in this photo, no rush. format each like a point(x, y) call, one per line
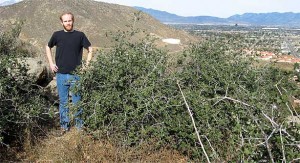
point(22, 104)
point(130, 96)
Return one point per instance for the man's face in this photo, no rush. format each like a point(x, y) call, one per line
point(67, 22)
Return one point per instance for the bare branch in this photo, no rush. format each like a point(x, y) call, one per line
point(228, 98)
point(191, 115)
point(289, 108)
point(278, 89)
point(218, 101)
point(282, 146)
point(268, 147)
point(272, 122)
point(214, 151)
point(296, 159)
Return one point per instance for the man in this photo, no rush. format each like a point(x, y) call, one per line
point(69, 47)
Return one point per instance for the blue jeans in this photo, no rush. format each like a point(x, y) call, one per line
point(65, 82)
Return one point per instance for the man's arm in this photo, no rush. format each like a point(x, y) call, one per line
point(53, 66)
point(89, 56)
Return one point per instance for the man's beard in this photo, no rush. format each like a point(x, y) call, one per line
point(68, 28)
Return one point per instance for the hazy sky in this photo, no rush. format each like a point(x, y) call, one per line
point(219, 8)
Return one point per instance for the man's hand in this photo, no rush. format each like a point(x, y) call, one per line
point(89, 56)
point(53, 67)
point(85, 66)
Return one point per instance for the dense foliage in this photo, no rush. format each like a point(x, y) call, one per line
point(21, 103)
point(131, 95)
point(242, 109)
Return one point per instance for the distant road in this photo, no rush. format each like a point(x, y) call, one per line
point(291, 48)
point(261, 38)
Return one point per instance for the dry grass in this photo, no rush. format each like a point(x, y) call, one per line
point(79, 147)
point(281, 65)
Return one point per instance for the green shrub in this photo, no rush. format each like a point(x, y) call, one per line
point(125, 88)
point(232, 101)
point(21, 103)
point(130, 96)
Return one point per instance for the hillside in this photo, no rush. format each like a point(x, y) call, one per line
point(268, 19)
point(94, 18)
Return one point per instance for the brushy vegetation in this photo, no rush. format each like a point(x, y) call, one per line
point(21, 102)
point(131, 97)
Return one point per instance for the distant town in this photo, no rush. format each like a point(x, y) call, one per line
point(277, 44)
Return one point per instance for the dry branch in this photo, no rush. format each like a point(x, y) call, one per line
point(191, 115)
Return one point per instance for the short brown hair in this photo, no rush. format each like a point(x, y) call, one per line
point(66, 13)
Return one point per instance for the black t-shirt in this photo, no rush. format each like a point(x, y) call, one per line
point(69, 47)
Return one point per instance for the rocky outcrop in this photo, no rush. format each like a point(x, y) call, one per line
point(36, 68)
point(51, 91)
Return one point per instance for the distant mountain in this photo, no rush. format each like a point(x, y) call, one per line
point(270, 19)
point(9, 2)
point(166, 17)
point(273, 19)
